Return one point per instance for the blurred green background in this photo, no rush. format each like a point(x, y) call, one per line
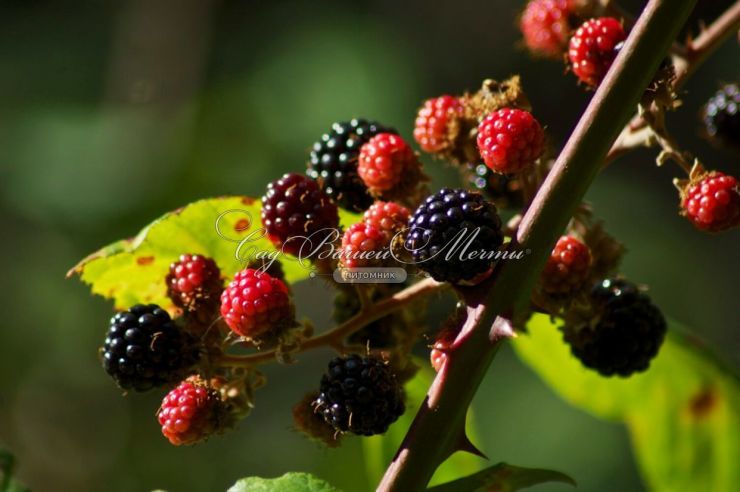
point(114, 112)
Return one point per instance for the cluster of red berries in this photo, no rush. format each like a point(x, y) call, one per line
point(550, 28)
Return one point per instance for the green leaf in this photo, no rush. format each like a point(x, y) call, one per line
point(290, 482)
point(503, 478)
point(7, 469)
point(379, 450)
point(683, 414)
point(132, 270)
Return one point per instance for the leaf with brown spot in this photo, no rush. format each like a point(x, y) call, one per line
point(683, 413)
point(132, 271)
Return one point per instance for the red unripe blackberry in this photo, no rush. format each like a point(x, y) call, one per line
point(592, 48)
point(256, 306)
point(294, 207)
point(567, 268)
point(624, 333)
point(446, 336)
point(445, 221)
point(362, 238)
point(510, 140)
point(190, 412)
point(722, 115)
point(431, 126)
point(193, 282)
point(389, 217)
point(438, 354)
point(712, 202)
point(360, 395)
point(333, 162)
point(545, 26)
point(384, 160)
point(144, 349)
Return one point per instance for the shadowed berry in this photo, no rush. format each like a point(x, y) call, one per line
point(722, 115)
point(431, 126)
point(567, 268)
point(545, 26)
point(624, 334)
point(193, 282)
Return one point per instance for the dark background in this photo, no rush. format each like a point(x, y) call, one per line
point(114, 112)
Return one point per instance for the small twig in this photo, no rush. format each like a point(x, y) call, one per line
point(670, 149)
point(685, 62)
point(707, 43)
point(335, 337)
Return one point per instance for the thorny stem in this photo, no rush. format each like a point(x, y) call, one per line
point(335, 337)
point(438, 428)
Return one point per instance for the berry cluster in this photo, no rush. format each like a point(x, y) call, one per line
point(453, 235)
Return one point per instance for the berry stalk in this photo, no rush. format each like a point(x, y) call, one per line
point(336, 336)
point(437, 430)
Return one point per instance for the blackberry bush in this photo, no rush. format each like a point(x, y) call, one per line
point(511, 282)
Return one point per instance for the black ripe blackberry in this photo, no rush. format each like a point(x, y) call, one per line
point(505, 191)
point(624, 333)
point(722, 115)
point(454, 235)
point(333, 162)
point(145, 349)
point(359, 395)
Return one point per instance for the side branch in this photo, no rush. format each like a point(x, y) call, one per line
point(638, 133)
point(336, 336)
